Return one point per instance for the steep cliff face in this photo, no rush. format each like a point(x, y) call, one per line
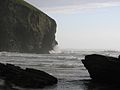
point(23, 28)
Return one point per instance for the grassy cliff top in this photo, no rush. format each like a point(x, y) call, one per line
point(22, 2)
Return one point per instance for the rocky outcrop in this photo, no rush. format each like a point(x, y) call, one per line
point(103, 68)
point(23, 28)
point(26, 78)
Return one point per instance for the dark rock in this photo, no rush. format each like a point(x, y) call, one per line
point(102, 68)
point(26, 78)
point(24, 28)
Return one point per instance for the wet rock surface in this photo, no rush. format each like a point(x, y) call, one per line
point(25, 78)
point(103, 68)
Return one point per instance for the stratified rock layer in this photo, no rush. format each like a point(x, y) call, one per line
point(103, 68)
point(23, 28)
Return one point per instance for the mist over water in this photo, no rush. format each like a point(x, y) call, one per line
point(65, 65)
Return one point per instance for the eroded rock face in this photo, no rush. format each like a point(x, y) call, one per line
point(23, 28)
point(103, 68)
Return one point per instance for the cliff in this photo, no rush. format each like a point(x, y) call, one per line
point(24, 28)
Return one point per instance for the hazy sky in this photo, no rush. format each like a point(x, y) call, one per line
point(84, 24)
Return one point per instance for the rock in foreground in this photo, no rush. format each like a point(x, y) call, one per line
point(24, 28)
point(26, 78)
point(102, 68)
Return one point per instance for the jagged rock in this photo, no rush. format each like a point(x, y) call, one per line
point(102, 68)
point(26, 78)
point(24, 28)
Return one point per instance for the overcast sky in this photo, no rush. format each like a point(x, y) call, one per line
point(84, 24)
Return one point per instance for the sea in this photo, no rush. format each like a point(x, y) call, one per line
point(66, 65)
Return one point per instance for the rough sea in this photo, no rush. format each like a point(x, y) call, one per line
point(65, 65)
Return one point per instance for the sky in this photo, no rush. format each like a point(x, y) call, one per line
point(84, 24)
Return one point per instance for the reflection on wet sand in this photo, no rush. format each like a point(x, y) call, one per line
point(92, 85)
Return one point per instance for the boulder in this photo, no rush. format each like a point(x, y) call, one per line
point(24, 28)
point(26, 78)
point(102, 68)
